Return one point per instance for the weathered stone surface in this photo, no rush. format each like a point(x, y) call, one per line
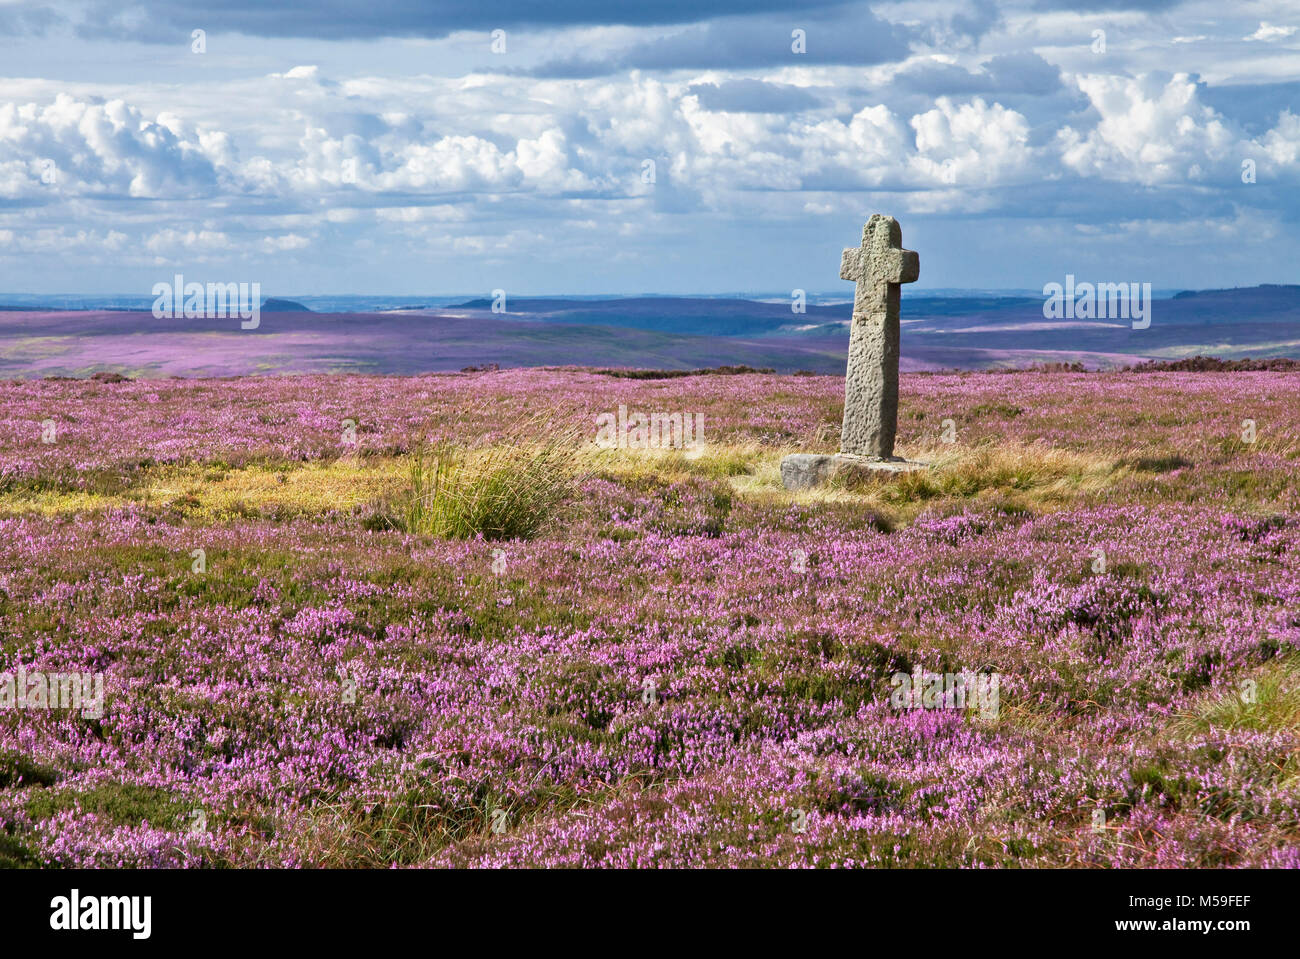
point(849, 470)
point(878, 267)
point(808, 470)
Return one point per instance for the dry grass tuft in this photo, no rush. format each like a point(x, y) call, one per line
point(510, 489)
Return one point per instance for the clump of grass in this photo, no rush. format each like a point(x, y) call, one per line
point(1010, 477)
point(1158, 462)
point(1027, 470)
point(720, 461)
point(1272, 704)
point(19, 770)
point(503, 491)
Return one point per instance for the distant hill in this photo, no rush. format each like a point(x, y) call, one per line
point(1267, 292)
point(974, 330)
point(983, 330)
point(698, 316)
point(273, 305)
point(36, 344)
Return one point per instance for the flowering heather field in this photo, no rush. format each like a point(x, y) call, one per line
point(688, 666)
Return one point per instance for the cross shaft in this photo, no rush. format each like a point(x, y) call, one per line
point(879, 266)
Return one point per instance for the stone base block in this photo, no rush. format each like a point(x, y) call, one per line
point(809, 470)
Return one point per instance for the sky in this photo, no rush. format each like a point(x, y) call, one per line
point(570, 146)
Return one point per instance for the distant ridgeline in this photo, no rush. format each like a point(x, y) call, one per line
point(1264, 289)
point(699, 316)
point(273, 305)
point(28, 304)
point(62, 335)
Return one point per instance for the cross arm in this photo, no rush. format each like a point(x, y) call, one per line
point(910, 269)
point(851, 264)
point(901, 266)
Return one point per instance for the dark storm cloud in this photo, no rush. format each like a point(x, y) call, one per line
point(1255, 106)
point(753, 96)
point(1009, 73)
point(351, 20)
point(844, 35)
point(983, 17)
point(28, 19)
point(1093, 6)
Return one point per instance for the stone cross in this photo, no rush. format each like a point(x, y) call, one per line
point(878, 267)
